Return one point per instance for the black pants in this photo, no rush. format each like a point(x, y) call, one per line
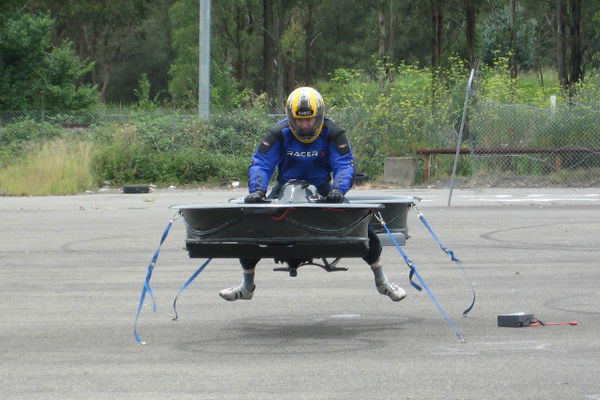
point(370, 256)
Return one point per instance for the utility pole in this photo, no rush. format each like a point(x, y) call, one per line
point(204, 60)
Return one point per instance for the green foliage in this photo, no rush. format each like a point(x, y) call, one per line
point(227, 90)
point(144, 102)
point(587, 93)
point(183, 86)
point(495, 38)
point(33, 73)
point(58, 167)
point(20, 137)
point(147, 50)
point(59, 80)
point(387, 110)
point(394, 110)
point(226, 93)
point(293, 39)
point(171, 148)
point(127, 157)
point(494, 83)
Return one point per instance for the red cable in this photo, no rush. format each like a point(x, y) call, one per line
point(282, 216)
point(573, 323)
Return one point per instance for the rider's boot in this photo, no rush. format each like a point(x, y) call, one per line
point(390, 289)
point(384, 285)
point(239, 292)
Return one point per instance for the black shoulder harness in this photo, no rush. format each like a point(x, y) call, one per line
point(334, 129)
point(271, 138)
point(338, 135)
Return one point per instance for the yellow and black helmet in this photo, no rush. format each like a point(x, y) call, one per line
point(305, 102)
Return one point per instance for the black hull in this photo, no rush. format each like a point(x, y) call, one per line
point(394, 213)
point(277, 231)
point(290, 231)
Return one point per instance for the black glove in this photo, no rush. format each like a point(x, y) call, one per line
point(255, 197)
point(334, 196)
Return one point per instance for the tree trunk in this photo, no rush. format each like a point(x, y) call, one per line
point(513, 39)
point(437, 33)
point(391, 49)
point(238, 64)
point(470, 20)
point(576, 73)
point(561, 48)
point(268, 51)
point(381, 21)
point(280, 70)
point(308, 42)
point(105, 80)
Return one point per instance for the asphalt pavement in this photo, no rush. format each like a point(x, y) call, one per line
point(72, 269)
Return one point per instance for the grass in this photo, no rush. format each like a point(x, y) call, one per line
point(57, 167)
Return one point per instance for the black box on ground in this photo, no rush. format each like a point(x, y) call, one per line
point(516, 320)
point(136, 188)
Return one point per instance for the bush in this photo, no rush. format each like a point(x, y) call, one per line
point(34, 74)
point(150, 154)
point(18, 138)
point(58, 167)
point(393, 111)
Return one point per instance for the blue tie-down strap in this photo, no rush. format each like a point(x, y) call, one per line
point(414, 272)
point(146, 288)
point(452, 257)
point(185, 285)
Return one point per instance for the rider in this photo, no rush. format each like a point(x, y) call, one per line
point(306, 146)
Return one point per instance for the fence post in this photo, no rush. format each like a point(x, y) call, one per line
point(426, 167)
point(204, 60)
point(460, 134)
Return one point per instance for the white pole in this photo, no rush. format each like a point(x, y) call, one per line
point(204, 60)
point(460, 134)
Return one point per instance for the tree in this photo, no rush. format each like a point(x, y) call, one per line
point(512, 40)
point(34, 74)
point(98, 30)
point(470, 23)
point(183, 87)
point(269, 40)
point(511, 33)
point(574, 34)
point(437, 33)
point(309, 39)
point(576, 70)
point(147, 51)
point(561, 46)
point(386, 19)
point(235, 30)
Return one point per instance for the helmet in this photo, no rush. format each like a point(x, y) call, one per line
point(303, 103)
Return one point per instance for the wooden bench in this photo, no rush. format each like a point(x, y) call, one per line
point(558, 152)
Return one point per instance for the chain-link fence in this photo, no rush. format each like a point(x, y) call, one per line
point(504, 145)
point(522, 146)
point(228, 135)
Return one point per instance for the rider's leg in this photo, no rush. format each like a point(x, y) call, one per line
point(245, 290)
point(383, 284)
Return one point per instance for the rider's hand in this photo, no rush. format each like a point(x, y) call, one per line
point(255, 197)
point(334, 196)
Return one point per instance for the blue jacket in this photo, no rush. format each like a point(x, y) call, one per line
point(313, 162)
